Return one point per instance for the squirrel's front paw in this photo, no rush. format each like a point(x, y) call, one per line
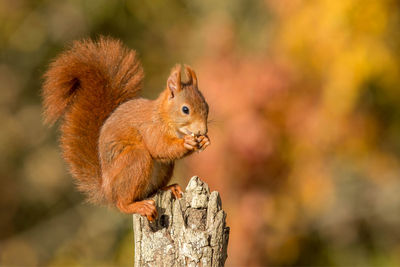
point(203, 142)
point(190, 142)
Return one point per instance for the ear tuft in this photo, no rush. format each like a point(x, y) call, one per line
point(191, 75)
point(174, 80)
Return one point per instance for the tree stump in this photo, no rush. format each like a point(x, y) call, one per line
point(190, 231)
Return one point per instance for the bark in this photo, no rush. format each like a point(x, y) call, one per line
point(190, 231)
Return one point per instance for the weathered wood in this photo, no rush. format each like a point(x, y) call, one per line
point(190, 231)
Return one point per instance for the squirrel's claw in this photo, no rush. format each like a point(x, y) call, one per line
point(145, 208)
point(199, 143)
point(149, 209)
point(203, 142)
point(175, 189)
point(190, 142)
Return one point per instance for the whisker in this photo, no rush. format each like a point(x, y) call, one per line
point(213, 121)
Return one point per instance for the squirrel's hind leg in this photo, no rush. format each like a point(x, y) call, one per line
point(175, 189)
point(126, 179)
point(145, 207)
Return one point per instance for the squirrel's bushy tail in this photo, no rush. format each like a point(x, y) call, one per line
point(84, 85)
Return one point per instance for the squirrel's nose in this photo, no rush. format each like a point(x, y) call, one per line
point(202, 130)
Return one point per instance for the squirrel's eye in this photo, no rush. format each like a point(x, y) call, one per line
point(185, 109)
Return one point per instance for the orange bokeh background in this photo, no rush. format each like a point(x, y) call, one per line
point(304, 122)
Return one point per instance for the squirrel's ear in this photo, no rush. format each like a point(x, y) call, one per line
point(191, 75)
point(174, 80)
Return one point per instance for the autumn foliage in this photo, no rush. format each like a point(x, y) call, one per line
point(304, 123)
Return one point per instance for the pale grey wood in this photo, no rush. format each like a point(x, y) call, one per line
point(190, 231)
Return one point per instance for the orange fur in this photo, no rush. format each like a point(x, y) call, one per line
point(120, 148)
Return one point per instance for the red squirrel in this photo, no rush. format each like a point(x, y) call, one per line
point(121, 148)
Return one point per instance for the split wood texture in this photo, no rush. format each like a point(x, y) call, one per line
point(190, 231)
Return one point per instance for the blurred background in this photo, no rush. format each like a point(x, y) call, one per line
point(304, 121)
